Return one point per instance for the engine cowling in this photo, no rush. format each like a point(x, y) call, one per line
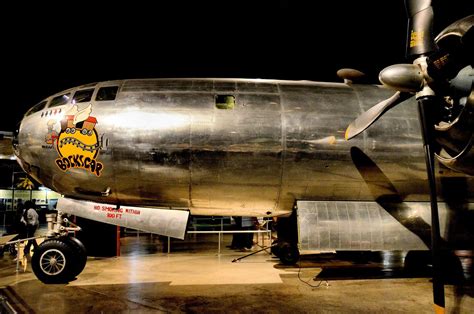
point(452, 70)
point(455, 139)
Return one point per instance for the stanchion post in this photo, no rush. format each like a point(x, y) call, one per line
point(18, 256)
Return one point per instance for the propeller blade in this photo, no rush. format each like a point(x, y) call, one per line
point(370, 116)
point(425, 111)
point(456, 50)
point(464, 81)
point(459, 32)
point(420, 27)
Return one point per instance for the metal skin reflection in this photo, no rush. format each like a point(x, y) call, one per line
point(165, 143)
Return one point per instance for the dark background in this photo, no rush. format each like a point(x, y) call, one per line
point(50, 47)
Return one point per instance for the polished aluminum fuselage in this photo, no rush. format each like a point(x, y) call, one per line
point(165, 143)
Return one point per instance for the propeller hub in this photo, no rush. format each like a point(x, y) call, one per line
point(402, 77)
point(425, 89)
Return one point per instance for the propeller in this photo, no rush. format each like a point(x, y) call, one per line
point(447, 68)
point(434, 66)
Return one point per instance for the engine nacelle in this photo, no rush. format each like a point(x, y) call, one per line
point(456, 139)
point(455, 131)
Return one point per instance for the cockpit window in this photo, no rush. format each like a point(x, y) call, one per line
point(84, 95)
point(107, 93)
point(59, 100)
point(36, 108)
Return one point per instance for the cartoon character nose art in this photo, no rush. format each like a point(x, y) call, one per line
point(77, 143)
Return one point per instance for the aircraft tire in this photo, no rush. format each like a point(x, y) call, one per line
point(417, 261)
point(288, 253)
point(80, 254)
point(54, 261)
point(275, 248)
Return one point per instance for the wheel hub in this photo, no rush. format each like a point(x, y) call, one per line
point(52, 262)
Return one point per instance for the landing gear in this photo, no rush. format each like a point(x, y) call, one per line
point(55, 261)
point(286, 248)
point(288, 253)
point(417, 261)
point(81, 254)
point(60, 258)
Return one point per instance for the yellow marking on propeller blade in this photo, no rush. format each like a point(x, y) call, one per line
point(416, 38)
point(346, 135)
point(438, 309)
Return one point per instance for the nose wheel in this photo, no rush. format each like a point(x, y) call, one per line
point(59, 260)
point(52, 262)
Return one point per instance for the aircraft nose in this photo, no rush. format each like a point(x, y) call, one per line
point(16, 146)
point(22, 152)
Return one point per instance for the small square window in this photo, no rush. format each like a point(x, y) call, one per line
point(225, 102)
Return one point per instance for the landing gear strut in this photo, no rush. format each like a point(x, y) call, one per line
point(288, 253)
point(60, 258)
point(286, 248)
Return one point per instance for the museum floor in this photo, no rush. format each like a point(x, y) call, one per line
point(195, 279)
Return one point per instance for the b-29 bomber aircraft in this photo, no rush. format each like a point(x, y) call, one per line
point(144, 153)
